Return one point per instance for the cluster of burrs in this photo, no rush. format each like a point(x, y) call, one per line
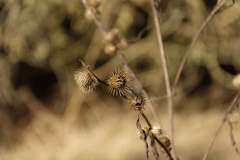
point(119, 83)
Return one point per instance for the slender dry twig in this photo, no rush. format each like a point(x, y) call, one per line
point(165, 149)
point(221, 125)
point(233, 139)
point(162, 97)
point(96, 21)
point(143, 134)
point(166, 75)
point(154, 148)
point(159, 142)
point(140, 34)
point(185, 57)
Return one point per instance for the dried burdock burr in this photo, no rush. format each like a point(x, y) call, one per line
point(165, 141)
point(85, 79)
point(137, 100)
point(119, 83)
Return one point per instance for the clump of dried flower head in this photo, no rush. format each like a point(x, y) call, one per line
point(119, 83)
point(236, 81)
point(157, 130)
point(159, 133)
point(85, 79)
point(165, 141)
point(92, 8)
point(137, 100)
point(113, 41)
point(145, 131)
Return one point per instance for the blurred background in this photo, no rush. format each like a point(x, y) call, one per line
point(44, 116)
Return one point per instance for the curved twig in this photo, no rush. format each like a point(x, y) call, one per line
point(221, 125)
point(185, 57)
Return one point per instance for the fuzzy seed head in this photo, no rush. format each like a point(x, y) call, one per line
point(137, 101)
point(157, 130)
point(118, 83)
point(236, 81)
point(85, 80)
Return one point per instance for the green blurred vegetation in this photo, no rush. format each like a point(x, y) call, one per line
point(41, 42)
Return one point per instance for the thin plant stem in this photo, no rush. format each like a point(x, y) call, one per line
point(96, 21)
point(146, 119)
point(159, 142)
point(165, 72)
point(165, 149)
point(186, 55)
point(221, 125)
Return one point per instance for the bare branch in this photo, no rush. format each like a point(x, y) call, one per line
point(165, 149)
point(143, 135)
point(233, 139)
point(185, 57)
point(165, 72)
point(221, 125)
point(154, 148)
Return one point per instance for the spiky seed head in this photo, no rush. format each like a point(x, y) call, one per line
point(84, 78)
point(137, 100)
point(145, 130)
point(165, 141)
point(236, 81)
point(119, 83)
point(157, 130)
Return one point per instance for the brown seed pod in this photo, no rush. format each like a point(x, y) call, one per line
point(137, 100)
point(119, 82)
point(165, 141)
point(85, 80)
